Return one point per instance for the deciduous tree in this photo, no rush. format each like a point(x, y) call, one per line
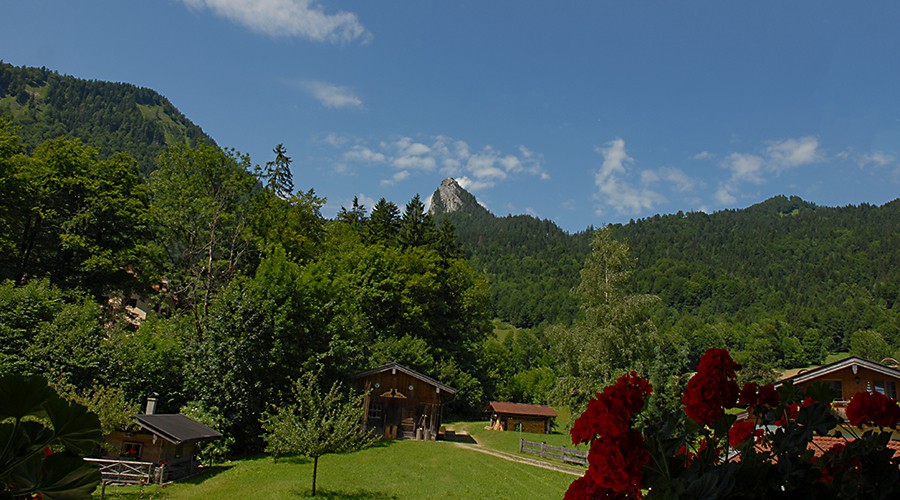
point(316, 423)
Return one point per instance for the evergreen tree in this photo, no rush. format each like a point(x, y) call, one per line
point(383, 225)
point(277, 176)
point(355, 216)
point(416, 225)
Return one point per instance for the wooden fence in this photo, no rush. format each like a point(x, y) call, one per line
point(544, 450)
point(124, 472)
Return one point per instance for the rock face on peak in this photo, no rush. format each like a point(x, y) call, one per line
point(450, 197)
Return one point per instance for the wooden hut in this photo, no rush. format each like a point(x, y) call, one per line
point(169, 441)
point(401, 402)
point(508, 416)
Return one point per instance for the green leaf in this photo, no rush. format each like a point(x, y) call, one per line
point(21, 396)
point(68, 476)
point(74, 426)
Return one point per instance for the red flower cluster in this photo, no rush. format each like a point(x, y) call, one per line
point(742, 431)
point(610, 413)
point(754, 395)
point(712, 388)
point(873, 409)
point(617, 463)
point(617, 455)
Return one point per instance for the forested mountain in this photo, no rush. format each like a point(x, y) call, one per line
point(112, 117)
point(249, 286)
point(797, 279)
point(784, 277)
point(532, 264)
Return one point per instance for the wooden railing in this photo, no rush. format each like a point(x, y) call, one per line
point(562, 453)
point(124, 472)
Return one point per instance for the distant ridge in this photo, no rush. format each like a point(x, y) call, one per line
point(112, 117)
point(531, 263)
point(784, 254)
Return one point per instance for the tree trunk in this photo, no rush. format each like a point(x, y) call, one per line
point(315, 470)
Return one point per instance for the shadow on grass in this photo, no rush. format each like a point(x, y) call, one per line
point(460, 438)
point(300, 459)
point(351, 494)
point(206, 473)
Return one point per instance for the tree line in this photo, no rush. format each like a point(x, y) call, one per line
point(248, 286)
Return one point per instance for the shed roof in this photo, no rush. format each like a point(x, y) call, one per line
point(176, 428)
point(849, 362)
point(409, 371)
point(520, 409)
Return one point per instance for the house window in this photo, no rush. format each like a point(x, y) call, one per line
point(131, 450)
point(375, 410)
point(837, 389)
point(886, 387)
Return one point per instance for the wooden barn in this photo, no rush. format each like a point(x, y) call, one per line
point(508, 416)
point(401, 402)
point(168, 440)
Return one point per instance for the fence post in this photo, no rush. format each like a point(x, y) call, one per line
point(521, 444)
point(543, 454)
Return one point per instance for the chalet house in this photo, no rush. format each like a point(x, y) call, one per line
point(508, 416)
point(850, 376)
point(169, 441)
point(401, 402)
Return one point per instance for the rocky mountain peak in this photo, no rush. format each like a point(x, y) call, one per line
point(451, 197)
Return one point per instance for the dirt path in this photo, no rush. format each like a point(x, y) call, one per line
point(521, 460)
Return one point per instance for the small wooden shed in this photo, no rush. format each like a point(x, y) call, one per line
point(401, 402)
point(508, 416)
point(168, 440)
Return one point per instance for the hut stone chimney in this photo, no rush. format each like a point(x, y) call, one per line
point(151, 406)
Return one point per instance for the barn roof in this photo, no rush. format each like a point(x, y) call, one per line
point(409, 371)
point(850, 362)
point(176, 428)
point(520, 409)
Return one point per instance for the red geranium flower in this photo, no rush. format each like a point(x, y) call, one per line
point(790, 413)
point(767, 396)
point(873, 409)
point(712, 388)
point(740, 432)
point(610, 413)
point(618, 463)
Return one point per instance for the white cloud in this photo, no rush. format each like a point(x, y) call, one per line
point(473, 185)
point(417, 162)
point(455, 158)
point(614, 190)
point(724, 196)
point(365, 201)
point(878, 158)
point(334, 140)
point(756, 168)
point(288, 18)
point(677, 179)
point(331, 95)
point(794, 152)
point(397, 177)
point(745, 167)
point(363, 154)
point(703, 155)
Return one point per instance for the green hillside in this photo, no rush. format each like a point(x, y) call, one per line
point(113, 117)
point(784, 277)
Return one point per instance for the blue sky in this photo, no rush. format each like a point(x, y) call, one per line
point(583, 112)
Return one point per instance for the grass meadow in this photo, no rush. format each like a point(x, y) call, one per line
point(391, 469)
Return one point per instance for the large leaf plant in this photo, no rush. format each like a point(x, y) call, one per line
point(42, 440)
